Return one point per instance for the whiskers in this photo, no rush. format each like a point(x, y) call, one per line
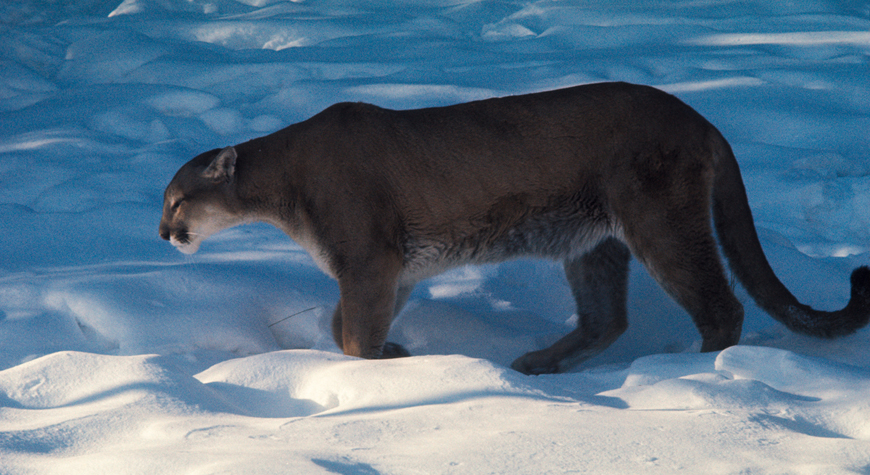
point(179, 240)
point(188, 235)
point(187, 242)
point(185, 237)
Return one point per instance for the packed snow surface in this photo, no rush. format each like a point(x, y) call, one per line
point(119, 355)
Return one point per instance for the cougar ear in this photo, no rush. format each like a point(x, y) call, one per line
point(223, 166)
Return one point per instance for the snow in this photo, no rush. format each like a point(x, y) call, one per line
point(120, 355)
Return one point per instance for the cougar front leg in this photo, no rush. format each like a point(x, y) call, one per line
point(599, 282)
point(366, 309)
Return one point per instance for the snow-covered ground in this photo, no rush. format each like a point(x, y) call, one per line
point(120, 355)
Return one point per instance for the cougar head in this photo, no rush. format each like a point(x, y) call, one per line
point(201, 200)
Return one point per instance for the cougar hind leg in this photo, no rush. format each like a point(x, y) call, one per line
point(685, 262)
point(599, 283)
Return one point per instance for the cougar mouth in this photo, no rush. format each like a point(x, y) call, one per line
point(182, 239)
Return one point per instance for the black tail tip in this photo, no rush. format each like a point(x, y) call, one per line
point(861, 287)
point(861, 277)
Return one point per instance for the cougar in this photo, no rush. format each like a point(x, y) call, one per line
point(590, 175)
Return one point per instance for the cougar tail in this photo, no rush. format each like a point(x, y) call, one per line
point(739, 240)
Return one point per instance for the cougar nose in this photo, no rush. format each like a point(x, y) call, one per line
point(164, 233)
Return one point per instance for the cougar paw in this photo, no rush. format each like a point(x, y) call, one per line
point(535, 363)
point(394, 350)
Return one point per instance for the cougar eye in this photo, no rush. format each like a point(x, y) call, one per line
point(174, 206)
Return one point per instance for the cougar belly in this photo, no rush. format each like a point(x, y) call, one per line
point(554, 234)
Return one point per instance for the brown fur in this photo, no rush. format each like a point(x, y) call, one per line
point(589, 175)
